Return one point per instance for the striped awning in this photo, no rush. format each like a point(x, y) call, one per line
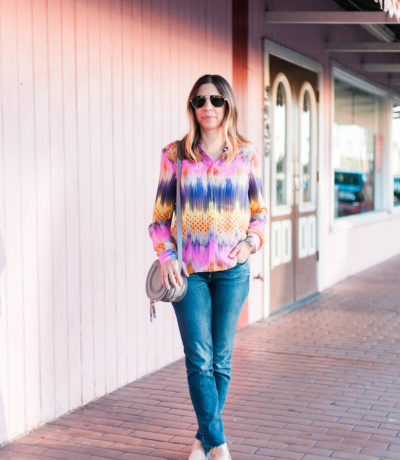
point(390, 6)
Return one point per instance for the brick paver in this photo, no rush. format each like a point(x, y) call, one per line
point(320, 382)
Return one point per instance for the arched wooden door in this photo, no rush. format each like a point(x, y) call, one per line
point(293, 181)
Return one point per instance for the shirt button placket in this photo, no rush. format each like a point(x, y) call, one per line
point(210, 178)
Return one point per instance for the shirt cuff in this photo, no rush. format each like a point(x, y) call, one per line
point(255, 240)
point(169, 254)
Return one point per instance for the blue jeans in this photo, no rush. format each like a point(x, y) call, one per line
point(207, 319)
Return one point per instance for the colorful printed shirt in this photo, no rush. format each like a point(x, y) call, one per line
point(222, 205)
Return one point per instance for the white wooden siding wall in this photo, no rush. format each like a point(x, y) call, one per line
point(90, 92)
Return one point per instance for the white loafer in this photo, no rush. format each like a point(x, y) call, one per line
point(198, 452)
point(220, 453)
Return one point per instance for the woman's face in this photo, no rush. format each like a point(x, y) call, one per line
point(209, 117)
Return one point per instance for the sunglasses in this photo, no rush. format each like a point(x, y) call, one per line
point(216, 101)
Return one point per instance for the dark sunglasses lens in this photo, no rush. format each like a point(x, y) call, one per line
point(198, 101)
point(217, 101)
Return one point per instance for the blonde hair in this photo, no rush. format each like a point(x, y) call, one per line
point(229, 122)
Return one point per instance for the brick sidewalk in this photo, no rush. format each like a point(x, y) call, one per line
point(320, 382)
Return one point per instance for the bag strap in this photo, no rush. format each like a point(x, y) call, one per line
point(178, 207)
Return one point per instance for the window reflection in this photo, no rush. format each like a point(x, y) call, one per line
point(357, 153)
point(396, 154)
point(280, 145)
point(305, 145)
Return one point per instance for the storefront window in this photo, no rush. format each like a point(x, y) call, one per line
point(280, 145)
point(396, 154)
point(357, 151)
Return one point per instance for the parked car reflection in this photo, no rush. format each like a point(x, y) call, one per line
point(355, 192)
point(396, 190)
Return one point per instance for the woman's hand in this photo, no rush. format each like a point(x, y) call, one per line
point(170, 273)
point(242, 252)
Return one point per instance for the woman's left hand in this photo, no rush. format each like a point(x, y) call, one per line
point(242, 252)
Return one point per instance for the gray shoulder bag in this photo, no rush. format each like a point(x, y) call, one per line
point(154, 287)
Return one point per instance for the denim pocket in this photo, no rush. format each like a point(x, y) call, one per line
point(241, 269)
point(242, 263)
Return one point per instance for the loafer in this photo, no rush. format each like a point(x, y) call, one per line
point(198, 452)
point(220, 453)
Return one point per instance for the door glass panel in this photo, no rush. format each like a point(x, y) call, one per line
point(396, 154)
point(280, 144)
point(305, 147)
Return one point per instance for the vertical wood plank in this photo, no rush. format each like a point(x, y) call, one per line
point(202, 37)
point(119, 187)
point(108, 192)
point(84, 160)
point(156, 84)
point(58, 210)
point(4, 339)
point(44, 233)
point(140, 158)
point(228, 67)
point(165, 340)
point(28, 220)
point(144, 162)
point(174, 70)
point(131, 241)
point(96, 190)
point(15, 200)
point(196, 26)
point(179, 93)
point(15, 414)
point(71, 145)
point(183, 64)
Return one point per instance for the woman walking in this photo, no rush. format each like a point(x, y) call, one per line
point(223, 217)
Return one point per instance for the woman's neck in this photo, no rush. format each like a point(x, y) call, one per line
point(213, 143)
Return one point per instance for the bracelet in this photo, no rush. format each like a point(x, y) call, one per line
point(252, 245)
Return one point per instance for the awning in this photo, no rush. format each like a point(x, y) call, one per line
point(391, 6)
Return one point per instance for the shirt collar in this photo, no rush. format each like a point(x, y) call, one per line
point(225, 151)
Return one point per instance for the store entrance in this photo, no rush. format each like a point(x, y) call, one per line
point(293, 216)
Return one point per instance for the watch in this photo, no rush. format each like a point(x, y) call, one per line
point(252, 245)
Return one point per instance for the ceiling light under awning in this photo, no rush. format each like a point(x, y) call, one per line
point(390, 6)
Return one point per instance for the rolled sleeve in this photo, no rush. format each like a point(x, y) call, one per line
point(258, 210)
point(160, 228)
